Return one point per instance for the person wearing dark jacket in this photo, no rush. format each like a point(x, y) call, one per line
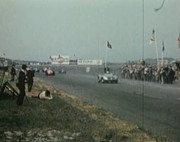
point(13, 72)
point(30, 75)
point(21, 85)
point(171, 75)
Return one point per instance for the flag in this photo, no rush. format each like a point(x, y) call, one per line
point(163, 46)
point(109, 45)
point(179, 40)
point(152, 37)
point(157, 9)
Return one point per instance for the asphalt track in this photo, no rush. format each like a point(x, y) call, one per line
point(153, 106)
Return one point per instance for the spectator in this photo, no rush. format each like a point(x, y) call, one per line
point(13, 72)
point(171, 75)
point(30, 75)
point(21, 85)
point(162, 75)
point(44, 95)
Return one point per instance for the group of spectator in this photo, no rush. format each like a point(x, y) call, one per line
point(25, 76)
point(149, 73)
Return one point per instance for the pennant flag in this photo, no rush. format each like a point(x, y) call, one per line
point(179, 40)
point(109, 45)
point(152, 37)
point(157, 9)
point(163, 46)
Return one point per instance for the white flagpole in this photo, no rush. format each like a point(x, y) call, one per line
point(156, 50)
point(106, 57)
point(179, 43)
point(162, 60)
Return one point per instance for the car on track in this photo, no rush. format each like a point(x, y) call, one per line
point(107, 78)
point(49, 72)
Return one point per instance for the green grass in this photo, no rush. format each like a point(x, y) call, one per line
point(35, 113)
point(69, 114)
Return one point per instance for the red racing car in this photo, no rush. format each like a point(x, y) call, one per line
point(49, 72)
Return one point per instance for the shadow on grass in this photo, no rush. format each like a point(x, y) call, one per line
point(7, 96)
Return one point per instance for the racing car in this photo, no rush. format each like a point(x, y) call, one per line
point(107, 78)
point(49, 72)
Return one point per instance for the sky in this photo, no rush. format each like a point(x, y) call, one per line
point(37, 29)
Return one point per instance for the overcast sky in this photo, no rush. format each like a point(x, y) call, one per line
point(37, 29)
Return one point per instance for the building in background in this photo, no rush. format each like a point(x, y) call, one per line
point(58, 60)
point(89, 62)
point(65, 60)
point(5, 61)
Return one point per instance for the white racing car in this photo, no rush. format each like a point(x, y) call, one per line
point(107, 78)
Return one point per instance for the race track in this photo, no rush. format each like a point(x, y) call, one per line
point(152, 106)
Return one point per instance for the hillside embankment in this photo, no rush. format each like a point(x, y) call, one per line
point(65, 118)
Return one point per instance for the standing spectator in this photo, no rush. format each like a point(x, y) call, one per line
point(13, 72)
point(163, 75)
point(30, 75)
point(21, 85)
point(146, 71)
point(171, 75)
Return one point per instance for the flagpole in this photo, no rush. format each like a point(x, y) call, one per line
point(162, 60)
point(106, 58)
point(109, 46)
point(157, 55)
point(156, 49)
point(179, 43)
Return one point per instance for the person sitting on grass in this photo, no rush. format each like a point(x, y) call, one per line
point(44, 95)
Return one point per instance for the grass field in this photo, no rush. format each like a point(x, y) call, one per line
point(65, 118)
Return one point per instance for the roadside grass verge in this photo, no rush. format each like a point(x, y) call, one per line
point(64, 118)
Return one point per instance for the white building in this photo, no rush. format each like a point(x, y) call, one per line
point(65, 60)
point(55, 60)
